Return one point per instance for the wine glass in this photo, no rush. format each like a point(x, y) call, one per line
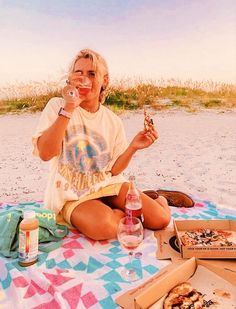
point(70, 93)
point(130, 236)
point(77, 85)
point(80, 82)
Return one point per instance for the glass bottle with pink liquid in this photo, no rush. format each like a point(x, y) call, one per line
point(133, 204)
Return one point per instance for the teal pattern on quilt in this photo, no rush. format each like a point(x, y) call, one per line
point(86, 273)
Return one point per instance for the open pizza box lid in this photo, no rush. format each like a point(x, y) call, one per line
point(169, 244)
point(151, 293)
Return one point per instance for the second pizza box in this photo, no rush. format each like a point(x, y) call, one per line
point(219, 286)
point(208, 239)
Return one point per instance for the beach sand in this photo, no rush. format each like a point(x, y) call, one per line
point(195, 153)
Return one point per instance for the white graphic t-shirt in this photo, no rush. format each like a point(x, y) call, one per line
point(92, 144)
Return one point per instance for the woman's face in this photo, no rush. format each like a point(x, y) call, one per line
point(84, 66)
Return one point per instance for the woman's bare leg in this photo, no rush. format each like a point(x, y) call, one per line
point(96, 220)
point(156, 213)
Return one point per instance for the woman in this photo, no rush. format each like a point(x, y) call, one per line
point(86, 145)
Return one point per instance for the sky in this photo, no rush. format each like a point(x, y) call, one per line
point(149, 39)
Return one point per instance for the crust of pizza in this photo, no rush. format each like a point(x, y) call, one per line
point(183, 289)
point(184, 296)
point(148, 122)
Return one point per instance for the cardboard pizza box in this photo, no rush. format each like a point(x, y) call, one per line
point(167, 245)
point(168, 249)
point(151, 293)
point(206, 251)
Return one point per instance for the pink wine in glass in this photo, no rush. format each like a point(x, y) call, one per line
point(130, 242)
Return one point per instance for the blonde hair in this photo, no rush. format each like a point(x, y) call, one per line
point(99, 65)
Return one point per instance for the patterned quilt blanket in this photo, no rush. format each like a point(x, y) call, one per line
point(84, 273)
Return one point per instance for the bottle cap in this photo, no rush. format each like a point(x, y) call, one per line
point(29, 214)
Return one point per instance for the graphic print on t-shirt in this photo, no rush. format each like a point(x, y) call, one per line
point(83, 159)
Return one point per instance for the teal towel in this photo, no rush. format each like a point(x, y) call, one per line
point(10, 219)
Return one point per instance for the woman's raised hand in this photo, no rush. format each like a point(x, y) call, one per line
point(144, 139)
point(71, 97)
point(78, 87)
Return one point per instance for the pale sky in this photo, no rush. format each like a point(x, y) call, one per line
point(182, 39)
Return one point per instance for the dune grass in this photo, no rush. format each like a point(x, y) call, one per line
point(129, 94)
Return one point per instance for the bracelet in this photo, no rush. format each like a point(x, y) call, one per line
point(64, 113)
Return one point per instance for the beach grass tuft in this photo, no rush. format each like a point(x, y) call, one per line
point(128, 94)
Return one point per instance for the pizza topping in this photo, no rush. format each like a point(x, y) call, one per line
point(208, 303)
point(207, 237)
point(184, 296)
point(194, 295)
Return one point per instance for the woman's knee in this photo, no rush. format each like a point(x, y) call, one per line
point(156, 213)
point(165, 220)
point(158, 222)
point(96, 220)
point(162, 200)
point(103, 229)
point(108, 225)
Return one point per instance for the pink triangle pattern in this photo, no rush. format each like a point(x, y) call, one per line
point(199, 204)
point(20, 282)
point(52, 304)
point(91, 241)
point(68, 253)
point(73, 295)
point(75, 236)
point(56, 279)
point(89, 299)
point(74, 244)
point(33, 289)
point(183, 210)
point(60, 271)
point(77, 233)
point(52, 290)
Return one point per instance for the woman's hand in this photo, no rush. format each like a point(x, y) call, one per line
point(71, 97)
point(144, 139)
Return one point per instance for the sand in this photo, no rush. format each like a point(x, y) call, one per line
point(195, 153)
